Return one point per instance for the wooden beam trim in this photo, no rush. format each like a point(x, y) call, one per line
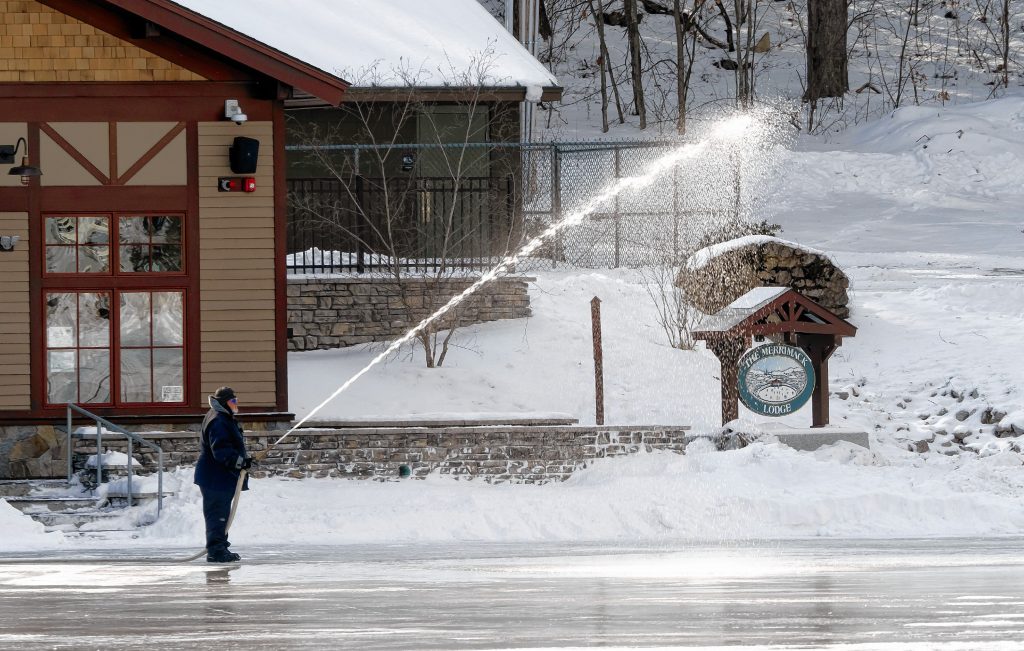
point(74, 153)
point(149, 155)
point(112, 146)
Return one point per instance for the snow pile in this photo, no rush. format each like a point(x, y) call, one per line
point(21, 532)
point(112, 460)
point(701, 258)
point(764, 491)
point(942, 181)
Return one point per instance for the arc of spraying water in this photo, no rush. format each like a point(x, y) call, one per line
point(635, 182)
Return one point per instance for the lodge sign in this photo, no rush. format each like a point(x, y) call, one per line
point(775, 379)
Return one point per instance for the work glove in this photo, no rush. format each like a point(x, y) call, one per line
point(247, 463)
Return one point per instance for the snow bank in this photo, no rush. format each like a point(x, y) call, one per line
point(701, 258)
point(21, 532)
point(765, 491)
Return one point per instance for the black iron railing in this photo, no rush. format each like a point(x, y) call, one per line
point(371, 225)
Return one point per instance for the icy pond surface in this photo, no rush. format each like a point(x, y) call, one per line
point(904, 594)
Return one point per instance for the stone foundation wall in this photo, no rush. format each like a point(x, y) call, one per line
point(494, 454)
point(339, 312)
point(38, 451)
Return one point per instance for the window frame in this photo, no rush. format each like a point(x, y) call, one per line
point(114, 346)
point(114, 245)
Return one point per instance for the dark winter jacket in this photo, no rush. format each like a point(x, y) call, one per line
point(222, 450)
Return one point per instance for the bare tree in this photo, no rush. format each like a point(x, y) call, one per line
point(686, 28)
point(606, 69)
point(415, 212)
point(636, 68)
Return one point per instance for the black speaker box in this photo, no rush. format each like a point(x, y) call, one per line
point(244, 155)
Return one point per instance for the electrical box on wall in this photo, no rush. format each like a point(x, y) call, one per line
point(236, 184)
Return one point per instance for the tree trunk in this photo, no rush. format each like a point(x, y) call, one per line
point(604, 62)
point(1004, 25)
point(633, 29)
point(827, 74)
point(680, 66)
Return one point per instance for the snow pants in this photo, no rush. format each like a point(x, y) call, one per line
point(216, 510)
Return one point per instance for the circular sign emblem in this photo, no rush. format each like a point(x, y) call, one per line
point(775, 379)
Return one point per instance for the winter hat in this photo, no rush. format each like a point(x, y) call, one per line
point(224, 394)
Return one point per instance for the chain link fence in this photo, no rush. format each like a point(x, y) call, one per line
point(361, 222)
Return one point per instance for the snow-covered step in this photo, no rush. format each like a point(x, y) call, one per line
point(39, 504)
point(119, 498)
point(76, 519)
point(22, 487)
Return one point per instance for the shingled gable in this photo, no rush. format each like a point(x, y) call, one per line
point(774, 310)
point(206, 33)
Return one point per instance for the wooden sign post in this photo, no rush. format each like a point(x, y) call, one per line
point(595, 319)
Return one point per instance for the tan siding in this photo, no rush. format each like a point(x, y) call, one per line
point(257, 357)
point(39, 44)
point(15, 383)
point(236, 271)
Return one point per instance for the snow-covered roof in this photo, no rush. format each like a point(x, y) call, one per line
point(702, 257)
point(733, 314)
point(387, 42)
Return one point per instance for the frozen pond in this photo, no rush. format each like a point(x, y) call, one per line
point(916, 594)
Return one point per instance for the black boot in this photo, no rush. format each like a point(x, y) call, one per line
point(222, 556)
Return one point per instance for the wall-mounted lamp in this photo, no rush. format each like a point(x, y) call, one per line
point(233, 112)
point(25, 171)
point(7, 242)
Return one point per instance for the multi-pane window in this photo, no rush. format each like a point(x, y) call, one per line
point(143, 340)
point(78, 244)
point(78, 347)
point(151, 346)
point(150, 243)
point(81, 244)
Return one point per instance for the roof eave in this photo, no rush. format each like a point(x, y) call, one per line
point(238, 47)
point(302, 99)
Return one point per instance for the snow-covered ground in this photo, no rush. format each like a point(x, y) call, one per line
point(932, 240)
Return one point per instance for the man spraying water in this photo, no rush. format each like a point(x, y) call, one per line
point(222, 459)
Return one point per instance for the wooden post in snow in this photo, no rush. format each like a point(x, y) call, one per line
point(595, 319)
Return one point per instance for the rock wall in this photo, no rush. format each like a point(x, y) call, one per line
point(495, 454)
point(340, 312)
point(722, 276)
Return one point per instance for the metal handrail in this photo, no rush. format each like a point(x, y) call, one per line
point(131, 436)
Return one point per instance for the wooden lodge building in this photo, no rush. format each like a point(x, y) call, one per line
point(137, 286)
point(143, 245)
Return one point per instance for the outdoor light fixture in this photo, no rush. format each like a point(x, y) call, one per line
point(233, 112)
point(25, 171)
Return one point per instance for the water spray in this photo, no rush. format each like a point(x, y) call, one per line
point(729, 129)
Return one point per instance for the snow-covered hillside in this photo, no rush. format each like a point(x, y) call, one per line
point(928, 53)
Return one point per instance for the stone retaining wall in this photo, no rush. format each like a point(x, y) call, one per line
point(494, 454)
point(339, 312)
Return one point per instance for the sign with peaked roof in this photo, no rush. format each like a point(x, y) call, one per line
point(785, 316)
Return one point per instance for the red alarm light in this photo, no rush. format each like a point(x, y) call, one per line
point(236, 184)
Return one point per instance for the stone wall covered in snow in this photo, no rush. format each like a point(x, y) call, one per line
point(510, 453)
point(717, 275)
point(338, 312)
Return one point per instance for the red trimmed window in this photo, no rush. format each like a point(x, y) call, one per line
point(142, 340)
point(81, 244)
